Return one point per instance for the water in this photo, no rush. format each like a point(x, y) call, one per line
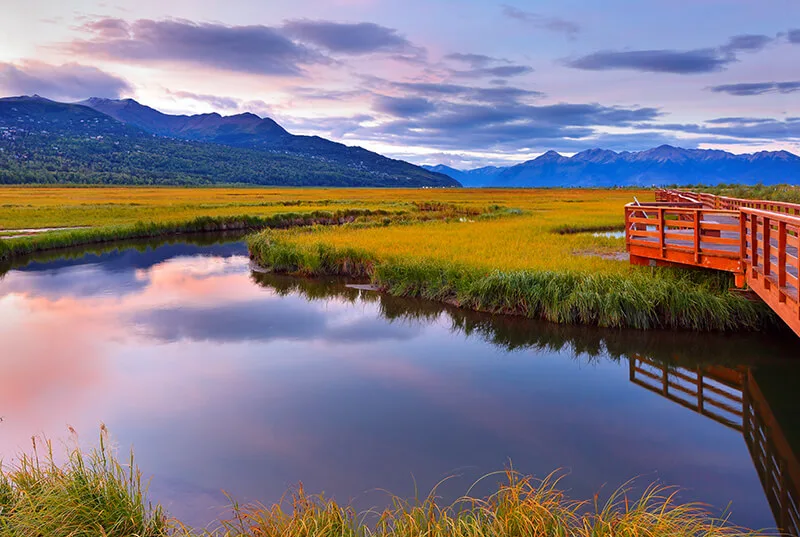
point(610, 234)
point(226, 379)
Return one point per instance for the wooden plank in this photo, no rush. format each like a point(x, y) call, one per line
point(715, 226)
point(721, 240)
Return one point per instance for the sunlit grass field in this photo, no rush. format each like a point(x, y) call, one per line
point(533, 240)
point(526, 252)
point(512, 242)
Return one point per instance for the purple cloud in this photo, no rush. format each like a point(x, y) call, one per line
point(553, 24)
point(654, 61)
point(355, 39)
point(757, 88)
point(68, 82)
point(250, 49)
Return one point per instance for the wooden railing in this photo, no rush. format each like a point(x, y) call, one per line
point(683, 233)
point(757, 240)
point(769, 250)
point(712, 201)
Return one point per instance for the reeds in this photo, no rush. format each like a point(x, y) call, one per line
point(89, 495)
point(96, 495)
point(666, 299)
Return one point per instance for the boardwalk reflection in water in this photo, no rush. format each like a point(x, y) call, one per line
point(224, 378)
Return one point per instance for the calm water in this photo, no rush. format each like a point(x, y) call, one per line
point(227, 379)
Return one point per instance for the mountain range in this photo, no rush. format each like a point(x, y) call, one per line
point(120, 141)
point(663, 165)
point(101, 141)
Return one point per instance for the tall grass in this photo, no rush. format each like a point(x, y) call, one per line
point(638, 299)
point(89, 495)
point(96, 495)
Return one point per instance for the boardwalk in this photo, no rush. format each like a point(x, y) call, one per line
point(755, 240)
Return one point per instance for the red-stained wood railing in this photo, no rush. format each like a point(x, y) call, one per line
point(664, 234)
point(757, 240)
point(769, 250)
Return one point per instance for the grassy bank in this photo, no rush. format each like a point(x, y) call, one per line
point(94, 494)
point(636, 299)
point(14, 248)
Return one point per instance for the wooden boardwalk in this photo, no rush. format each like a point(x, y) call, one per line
point(757, 241)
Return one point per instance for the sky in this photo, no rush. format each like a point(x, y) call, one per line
point(466, 83)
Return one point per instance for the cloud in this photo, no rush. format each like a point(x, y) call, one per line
point(500, 71)
point(473, 60)
point(757, 88)
point(553, 24)
point(219, 102)
point(68, 82)
point(743, 128)
point(355, 39)
point(403, 106)
point(499, 126)
point(250, 49)
point(746, 43)
point(482, 66)
point(438, 90)
point(685, 62)
point(655, 61)
point(794, 36)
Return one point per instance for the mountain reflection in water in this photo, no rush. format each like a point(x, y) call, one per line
point(225, 378)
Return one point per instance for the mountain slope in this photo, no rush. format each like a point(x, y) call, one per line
point(252, 132)
point(658, 166)
point(476, 177)
point(43, 141)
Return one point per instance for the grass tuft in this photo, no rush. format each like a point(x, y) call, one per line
point(89, 495)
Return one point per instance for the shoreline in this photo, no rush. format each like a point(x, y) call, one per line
point(669, 300)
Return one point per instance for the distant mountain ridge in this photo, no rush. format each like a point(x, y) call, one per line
point(253, 132)
point(124, 142)
point(661, 165)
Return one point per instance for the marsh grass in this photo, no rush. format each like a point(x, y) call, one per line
point(89, 495)
point(665, 299)
point(94, 494)
point(19, 247)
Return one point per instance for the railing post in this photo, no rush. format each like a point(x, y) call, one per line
point(661, 239)
point(743, 234)
point(627, 229)
point(781, 261)
point(754, 241)
point(697, 220)
point(767, 246)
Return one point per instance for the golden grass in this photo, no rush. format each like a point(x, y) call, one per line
point(529, 241)
point(522, 242)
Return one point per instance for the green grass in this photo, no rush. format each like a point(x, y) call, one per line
point(665, 299)
point(96, 495)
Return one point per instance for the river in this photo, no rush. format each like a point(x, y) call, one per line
point(229, 380)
